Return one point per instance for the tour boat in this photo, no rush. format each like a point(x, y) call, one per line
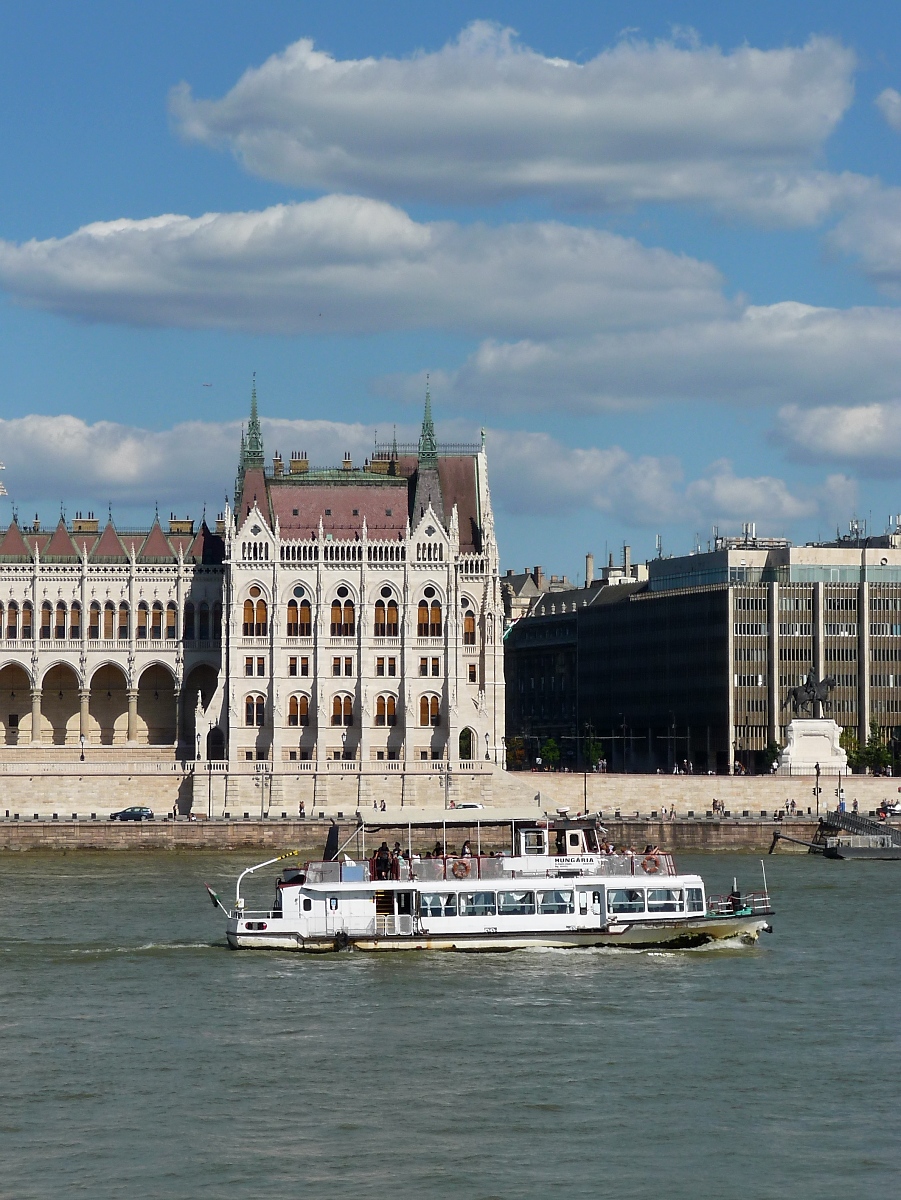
point(565, 894)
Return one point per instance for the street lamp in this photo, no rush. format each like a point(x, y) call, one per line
point(343, 744)
point(816, 790)
point(82, 739)
point(487, 755)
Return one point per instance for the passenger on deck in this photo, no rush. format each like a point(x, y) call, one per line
point(466, 851)
point(383, 862)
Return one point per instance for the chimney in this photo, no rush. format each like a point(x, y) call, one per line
point(627, 561)
point(278, 467)
point(589, 569)
point(348, 462)
point(539, 577)
point(300, 464)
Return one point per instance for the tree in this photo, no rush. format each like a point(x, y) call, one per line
point(593, 750)
point(849, 743)
point(771, 755)
point(516, 754)
point(550, 753)
point(876, 755)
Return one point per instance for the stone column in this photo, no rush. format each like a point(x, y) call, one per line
point(35, 715)
point(132, 733)
point(84, 714)
point(179, 711)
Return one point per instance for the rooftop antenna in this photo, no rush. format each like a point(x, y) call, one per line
point(659, 541)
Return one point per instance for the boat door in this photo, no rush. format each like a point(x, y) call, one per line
point(590, 903)
point(406, 907)
point(334, 921)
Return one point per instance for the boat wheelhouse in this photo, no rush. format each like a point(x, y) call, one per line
point(561, 889)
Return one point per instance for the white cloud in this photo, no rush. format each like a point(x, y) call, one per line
point(871, 233)
point(863, 436)
point(485, 119)
point(54, 457)
point(889, 104)
point(345, 264)
point(776, 354)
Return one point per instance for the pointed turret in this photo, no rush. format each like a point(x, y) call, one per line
point(253, 455)
point(428, 484)
point(428, 446)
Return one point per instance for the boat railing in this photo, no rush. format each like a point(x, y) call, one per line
point(745, 904)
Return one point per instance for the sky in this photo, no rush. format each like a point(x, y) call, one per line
point(653, 250)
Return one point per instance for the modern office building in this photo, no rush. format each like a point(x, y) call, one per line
point(694, 664)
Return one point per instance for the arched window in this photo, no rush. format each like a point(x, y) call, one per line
point(422, 619)
point(248, 618)
point(392, 621)
point(46, 618)
point(349, 624)
point(188, 624)
point(293, 622)
point(299, 710)
point(380, 709)
point(424, 710)
point(380, 621)
point(143, 621)
point(261, 625)
point(204, 622)
point(305, 619)
point(94, 622)
point(216, 628)
point(156, 622)
point(59, 628)
point(123, 622)
point(435, 619)
point(293, 711)
point(109, 620)
point(429, 711)
point(171, 622)
point(2, 626)
point(386, 710)
point(336, 711)
point(255, 710)
point(27, 619)
point(75, 620)
point(469, 629)
point(348, 707)
point(12, 620)
point(336, 618)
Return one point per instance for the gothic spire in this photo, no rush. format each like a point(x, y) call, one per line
point(428, 446)
point(252, 450)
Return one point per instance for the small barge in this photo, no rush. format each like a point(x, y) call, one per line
point(563, 893)
point(843, 835)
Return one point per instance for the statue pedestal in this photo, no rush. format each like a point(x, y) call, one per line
point(812, 741)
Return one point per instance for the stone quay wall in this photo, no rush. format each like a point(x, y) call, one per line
point(338, 790)
point(308, 837)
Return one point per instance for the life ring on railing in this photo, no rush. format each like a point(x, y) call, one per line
point(650, 864)
point(461, 869)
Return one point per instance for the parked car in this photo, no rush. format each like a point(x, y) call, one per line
point(136, 813)
point(467, 804)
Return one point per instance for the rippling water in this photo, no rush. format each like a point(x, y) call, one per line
point(140, 1057)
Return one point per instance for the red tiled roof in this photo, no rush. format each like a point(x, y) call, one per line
point(13, 544)
point(384, 507)
point(108, 544)
point(61, 544)
point(155, 545)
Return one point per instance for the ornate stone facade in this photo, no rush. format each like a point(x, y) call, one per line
point(348, 613)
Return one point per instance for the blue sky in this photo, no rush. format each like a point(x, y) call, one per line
point(654, 250)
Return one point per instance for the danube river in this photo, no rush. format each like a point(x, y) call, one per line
point(140, 1058)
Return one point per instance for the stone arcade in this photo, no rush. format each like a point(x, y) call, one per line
point(337, 637)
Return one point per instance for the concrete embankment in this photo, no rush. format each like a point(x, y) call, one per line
point(308, 837)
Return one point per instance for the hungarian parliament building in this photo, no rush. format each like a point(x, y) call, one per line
point(349, 612)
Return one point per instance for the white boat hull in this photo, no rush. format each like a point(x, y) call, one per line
point(637, 936)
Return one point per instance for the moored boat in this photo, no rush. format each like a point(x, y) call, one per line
point(563, 894)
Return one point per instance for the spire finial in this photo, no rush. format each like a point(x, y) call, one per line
point(428, 446)
point(252, 449)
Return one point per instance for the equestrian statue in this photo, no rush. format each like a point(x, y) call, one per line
point(811, 694)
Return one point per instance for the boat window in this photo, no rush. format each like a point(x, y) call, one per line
point(433, 904)
point(575, 841)
point(555, 902)
point(591, 841)
point(404, 904)
point(665, 900)
point(515, 904)
point(307, 904)
point(695, 900)
point(625, 900)
point(533, 841)
point(583, 902)
point(477, 904)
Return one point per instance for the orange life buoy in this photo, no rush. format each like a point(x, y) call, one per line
point(461, 869)
point(650, 864)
